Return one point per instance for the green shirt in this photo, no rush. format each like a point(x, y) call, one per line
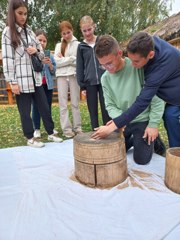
point(121, 89)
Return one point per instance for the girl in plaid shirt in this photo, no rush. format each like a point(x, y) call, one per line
point(25, 83)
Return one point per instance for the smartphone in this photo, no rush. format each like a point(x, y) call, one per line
point(47, 53)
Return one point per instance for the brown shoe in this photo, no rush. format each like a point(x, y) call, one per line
point(69, 134)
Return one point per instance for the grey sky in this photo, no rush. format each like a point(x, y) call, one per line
point(175, 6)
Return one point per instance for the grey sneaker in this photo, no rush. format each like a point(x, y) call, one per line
point(55, 138)
point(69, 134)
point(37, 133)
point(78, 131)
point(33, 142)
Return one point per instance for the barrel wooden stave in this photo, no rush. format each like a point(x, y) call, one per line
point(172, 169)
point(98, 154)
point(110, 175)
point(85, 173)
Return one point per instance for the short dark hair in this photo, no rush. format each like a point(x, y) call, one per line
point(141, 43)
point(106, 45)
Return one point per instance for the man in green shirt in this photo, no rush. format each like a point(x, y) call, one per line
point(121, 84)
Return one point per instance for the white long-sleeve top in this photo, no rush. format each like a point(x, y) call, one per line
point(66, 66)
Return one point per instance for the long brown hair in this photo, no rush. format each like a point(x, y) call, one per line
point(11, 20)
point(62, 25)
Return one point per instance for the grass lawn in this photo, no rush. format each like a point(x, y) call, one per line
point(11, 134)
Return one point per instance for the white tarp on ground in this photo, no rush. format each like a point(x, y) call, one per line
point(41, 200)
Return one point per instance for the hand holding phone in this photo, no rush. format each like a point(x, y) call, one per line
point(47, 53)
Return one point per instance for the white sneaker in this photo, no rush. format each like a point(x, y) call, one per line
point(69, 134)
point(55, 138)
point(37, 133)
point(55, 131)
point(33, 142)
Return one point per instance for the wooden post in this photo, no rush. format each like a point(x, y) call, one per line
point(10, 94)
point(82, 97)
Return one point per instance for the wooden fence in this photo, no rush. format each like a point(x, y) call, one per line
point(7, 97)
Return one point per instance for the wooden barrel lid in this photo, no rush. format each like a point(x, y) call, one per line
point(87, 139)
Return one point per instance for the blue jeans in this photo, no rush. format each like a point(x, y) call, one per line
point(35, 113)
point(172, 124)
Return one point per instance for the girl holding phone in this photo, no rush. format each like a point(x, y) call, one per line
point(47, 80)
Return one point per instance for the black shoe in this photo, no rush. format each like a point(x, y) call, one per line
point(159, 147)
point(129, 143)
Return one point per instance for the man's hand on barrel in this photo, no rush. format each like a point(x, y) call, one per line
point(104, 131)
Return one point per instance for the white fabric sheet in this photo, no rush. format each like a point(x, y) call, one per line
point(41, 200)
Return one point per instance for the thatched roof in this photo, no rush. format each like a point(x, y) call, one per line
point(0, 57)
point(167, 29)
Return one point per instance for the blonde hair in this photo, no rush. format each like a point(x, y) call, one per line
point(62, 25)
point(86, 19)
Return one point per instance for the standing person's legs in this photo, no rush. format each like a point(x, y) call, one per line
point(49, 95)
point(35, 116)
point(63, 87)
point(92, 103)
point(75, 98)
point(142, 151)
point(24, 107)
point(35, 113)
point(172, 124)
point(41, 102)
point(105, 116)
point(24, 101)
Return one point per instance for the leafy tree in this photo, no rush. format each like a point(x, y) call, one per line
point(117, 17)
point(3, 6)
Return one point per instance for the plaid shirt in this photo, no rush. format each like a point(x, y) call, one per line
point(17, 65)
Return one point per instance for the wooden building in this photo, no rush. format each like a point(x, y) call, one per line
point(168, 29)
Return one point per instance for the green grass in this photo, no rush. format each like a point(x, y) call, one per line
point(11, 134)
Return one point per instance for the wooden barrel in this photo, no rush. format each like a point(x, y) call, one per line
point(172, 169)
point(100, 163)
